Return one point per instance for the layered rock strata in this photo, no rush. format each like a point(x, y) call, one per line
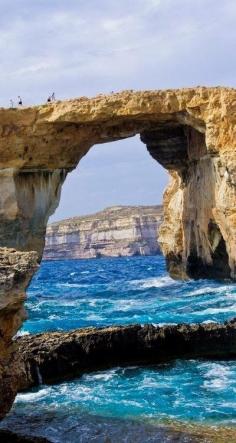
point(56, 356)
point(114, 232)
point(191, 132)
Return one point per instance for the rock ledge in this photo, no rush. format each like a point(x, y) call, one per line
point(56, 356)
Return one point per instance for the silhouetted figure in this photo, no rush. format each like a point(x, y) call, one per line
point(53, 97)
point(12, 103)
point(19, 101)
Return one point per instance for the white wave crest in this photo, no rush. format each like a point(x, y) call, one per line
point(218, 377)
point(32, 396)
point(71, 285)
point(224, 290)
point(158, 282)
point(231, 309)
point(21, 333)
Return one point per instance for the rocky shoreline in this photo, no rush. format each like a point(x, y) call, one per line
point(56, 356)
point(53, 357)
point(137, 431)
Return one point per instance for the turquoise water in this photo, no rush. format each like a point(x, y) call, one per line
point(120, 402)
point(117, 405)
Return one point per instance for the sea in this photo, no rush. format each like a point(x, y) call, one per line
point(126, 405)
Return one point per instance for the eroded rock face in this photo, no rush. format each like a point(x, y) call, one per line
point(191, 132)
point(27, 199)
point(114, 232)
point(16, 270)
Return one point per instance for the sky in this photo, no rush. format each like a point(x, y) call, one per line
point(86, 47)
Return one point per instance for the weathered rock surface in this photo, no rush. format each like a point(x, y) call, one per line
point(56, 356)
point(16, 269)
point(114, 232)
point(191, 132)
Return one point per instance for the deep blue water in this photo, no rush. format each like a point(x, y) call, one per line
point(72, 294)
point(79, 293)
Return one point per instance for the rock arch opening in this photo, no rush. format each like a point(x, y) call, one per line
point(118, 173)
point(110, 205)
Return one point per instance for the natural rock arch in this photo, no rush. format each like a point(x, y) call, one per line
point(191, 132)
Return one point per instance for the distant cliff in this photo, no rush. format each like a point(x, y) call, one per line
point(113, 232)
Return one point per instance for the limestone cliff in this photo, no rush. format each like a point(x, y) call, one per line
point(191, 132)
point(114, 232)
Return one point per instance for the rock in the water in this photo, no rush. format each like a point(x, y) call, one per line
point(56, 356)
point(114, 232)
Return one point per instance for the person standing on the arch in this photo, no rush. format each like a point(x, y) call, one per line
point(51, 98)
